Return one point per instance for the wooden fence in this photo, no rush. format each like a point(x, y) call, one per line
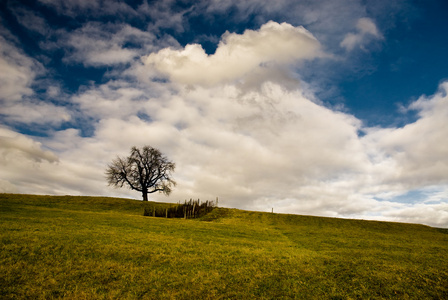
point(188, 210)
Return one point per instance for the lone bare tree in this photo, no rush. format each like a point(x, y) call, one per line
point(146, 170)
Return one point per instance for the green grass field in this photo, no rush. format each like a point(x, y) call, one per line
point(104, 248)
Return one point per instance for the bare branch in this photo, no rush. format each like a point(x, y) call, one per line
point(145, 170)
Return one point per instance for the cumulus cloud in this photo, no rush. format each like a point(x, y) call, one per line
point(365, 31)
point(264, 142)
point(236, 54)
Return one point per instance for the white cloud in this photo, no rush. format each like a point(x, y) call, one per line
point(236, 55)
point(115, 99)
point(36, 113)
point(18, 72)
point(28, 168)
point(20, 157)
point(17, 97)
point(420, 148)
point(365, 31)
point(431, 214)
point(20, 147)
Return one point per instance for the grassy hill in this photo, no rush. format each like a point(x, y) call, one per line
point(103, 248)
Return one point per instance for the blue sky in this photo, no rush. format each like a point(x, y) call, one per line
point(334, 108)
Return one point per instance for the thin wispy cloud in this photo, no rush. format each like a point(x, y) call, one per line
point(365, 31)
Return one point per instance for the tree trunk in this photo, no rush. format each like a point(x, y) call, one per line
point(145, 195)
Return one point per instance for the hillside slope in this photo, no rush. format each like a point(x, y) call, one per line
point(103, 248)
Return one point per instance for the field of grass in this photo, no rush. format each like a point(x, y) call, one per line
point(103, 248)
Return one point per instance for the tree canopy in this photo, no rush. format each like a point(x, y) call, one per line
point(145, 170)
